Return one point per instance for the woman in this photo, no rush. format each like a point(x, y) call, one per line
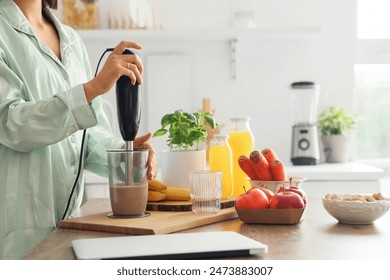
point(48, 96)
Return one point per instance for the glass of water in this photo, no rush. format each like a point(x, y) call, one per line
point(206, 189)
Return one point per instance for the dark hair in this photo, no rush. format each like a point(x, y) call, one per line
point(50, 3)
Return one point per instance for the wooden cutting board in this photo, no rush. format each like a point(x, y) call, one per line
point(158, 222)
point(182, 205)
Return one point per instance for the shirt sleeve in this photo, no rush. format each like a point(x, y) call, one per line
point(100, 138)
point(25, 125)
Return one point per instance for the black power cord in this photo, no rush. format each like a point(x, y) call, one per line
point(82, 147)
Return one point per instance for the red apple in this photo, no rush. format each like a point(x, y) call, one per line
point(286, 199)
point(296, 190)
point(267, 192)
point(254, 198)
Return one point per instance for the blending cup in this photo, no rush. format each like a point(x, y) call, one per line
point(206, 189)
point(127, 172)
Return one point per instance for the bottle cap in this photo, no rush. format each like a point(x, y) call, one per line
point(241, 119)
point(220, 136)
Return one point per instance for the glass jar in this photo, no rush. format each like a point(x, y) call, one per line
point(81, 14)
point(131, 14)
point(242, 142)
point(220, 158)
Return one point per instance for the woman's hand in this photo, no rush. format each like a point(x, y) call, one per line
point(141, 142)
point(116, 65)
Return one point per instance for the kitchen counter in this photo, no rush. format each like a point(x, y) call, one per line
point(342, 178)
point(317, 237)
point(349, 171)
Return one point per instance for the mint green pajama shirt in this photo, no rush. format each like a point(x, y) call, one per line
point(43, 111)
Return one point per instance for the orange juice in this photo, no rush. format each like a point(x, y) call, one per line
point(241, 143)
point(220, 158)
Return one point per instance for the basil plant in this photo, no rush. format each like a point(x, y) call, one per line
point(185, 129)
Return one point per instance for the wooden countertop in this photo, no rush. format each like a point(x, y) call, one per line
point(318, 237)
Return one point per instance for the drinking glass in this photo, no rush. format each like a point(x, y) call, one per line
point(206, 189)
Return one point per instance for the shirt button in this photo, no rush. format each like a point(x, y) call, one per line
point(75, 170)
point(73, 139)
point(65, 75)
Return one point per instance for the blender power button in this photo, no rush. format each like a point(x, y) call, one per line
point(304, 144)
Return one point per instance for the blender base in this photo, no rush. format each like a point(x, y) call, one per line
point(111, 215)
point(304, 161)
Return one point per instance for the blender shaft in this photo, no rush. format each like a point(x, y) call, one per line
point(129, 163)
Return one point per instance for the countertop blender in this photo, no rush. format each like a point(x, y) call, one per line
point(305, 144)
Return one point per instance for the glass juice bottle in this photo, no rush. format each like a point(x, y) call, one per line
point(242, 142)
point(220, 158)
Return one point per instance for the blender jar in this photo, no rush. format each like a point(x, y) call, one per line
point(127, 171)
point(305, 102)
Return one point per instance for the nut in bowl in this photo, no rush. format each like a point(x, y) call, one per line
point(274, 186)
point(356, 208)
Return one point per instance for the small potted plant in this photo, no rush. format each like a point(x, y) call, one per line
point(335, 126)
point(185, 133)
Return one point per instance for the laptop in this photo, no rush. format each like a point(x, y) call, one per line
point(198, 245)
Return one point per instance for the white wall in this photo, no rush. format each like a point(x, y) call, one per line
point(266, 67)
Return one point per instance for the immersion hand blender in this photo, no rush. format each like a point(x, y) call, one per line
point(129, 113)
point(128, 102)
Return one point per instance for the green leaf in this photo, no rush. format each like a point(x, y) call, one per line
point(160, 132)
point(166, 120)
point(178, 114)
point(211, 122)
point(184, 129)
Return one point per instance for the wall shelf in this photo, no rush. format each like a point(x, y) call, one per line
point(233, 36)
point(222, 34)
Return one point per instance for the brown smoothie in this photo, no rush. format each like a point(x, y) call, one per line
point(129, 200)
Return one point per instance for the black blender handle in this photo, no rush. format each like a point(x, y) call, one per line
point(128, 101)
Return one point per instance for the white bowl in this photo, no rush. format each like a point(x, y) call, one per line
point(355, 212)
point(276, 185)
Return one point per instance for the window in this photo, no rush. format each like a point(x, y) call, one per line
point(373, 100)
point(372, 79)
point(373, 19)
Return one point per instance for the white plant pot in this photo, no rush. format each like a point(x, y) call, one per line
point(336, 148)
point(175, 166)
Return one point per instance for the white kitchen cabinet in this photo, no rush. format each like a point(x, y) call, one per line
point(340, 178)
